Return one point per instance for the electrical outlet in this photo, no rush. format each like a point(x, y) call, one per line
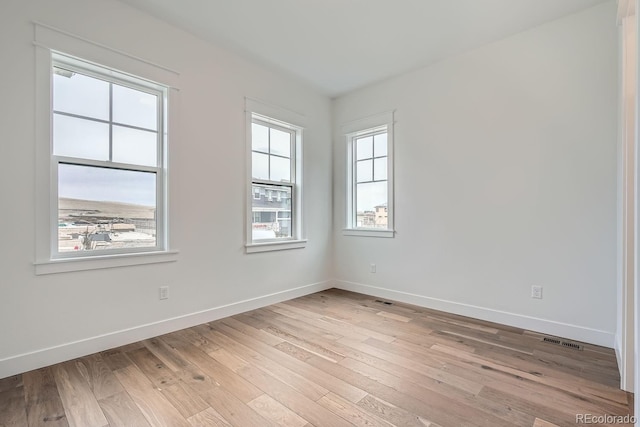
point(164, 292)
point(373, 267)
point(536, 292)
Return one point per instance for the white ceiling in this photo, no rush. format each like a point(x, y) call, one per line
point(341, 45)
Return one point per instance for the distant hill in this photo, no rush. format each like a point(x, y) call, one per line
point(77, 207)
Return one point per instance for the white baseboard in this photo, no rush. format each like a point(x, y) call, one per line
point(48, 356)
point(559, 329)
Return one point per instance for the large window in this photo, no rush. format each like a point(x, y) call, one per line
point(275, 165)
point(369, 181)
point(107, 161)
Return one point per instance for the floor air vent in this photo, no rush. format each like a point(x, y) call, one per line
point(384, 302)
point(562, 343)
point(572, 345)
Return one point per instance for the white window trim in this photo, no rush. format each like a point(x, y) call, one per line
point(49, 41)
point(351, 131)
point(368, 232)
point(275, 246)
point(64, 265)
point(294, 121)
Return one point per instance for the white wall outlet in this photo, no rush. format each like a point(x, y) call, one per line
point(536, 292)
point(372, 267)
point(164, 292)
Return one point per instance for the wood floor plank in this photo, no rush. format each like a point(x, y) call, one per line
point(192, 336)
point(273, 410)
point(44, 406)
point(180, 395)
point(536, 385)
point(423, 389)
point(121, 411)
point(294, 351)
point(550, 412)
point(392, 358)
point(155, 370)
point(98, 375)
point(115, 359)
point(474, 341)
point(351, 411)
point(410, 333)
point(394, 415)
point(170, 356)
point(305, 343)
point(13, 411)
point(152, 403)
point(319, 327)
point(304, 336)
point(295, 401)
point(232, 409)
point(228, 359)
point(184, 399)
point(327, 329)
point(208, 418)
point(302, 383)
point(339, 326)
point(10, 382)
point(430, 405)
point(542, 423)
point(266, 338)
point(393, 316)
point(434, 376)
point(315, 375)
point(80, 404)
point(222, 375)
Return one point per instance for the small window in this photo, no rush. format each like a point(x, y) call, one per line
point(107, 161)
point(370, 189)
point(274, 142)
point(273, 173)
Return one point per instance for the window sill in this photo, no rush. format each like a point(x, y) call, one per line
point(103, 261)
point(368, 232)
point(275, 246)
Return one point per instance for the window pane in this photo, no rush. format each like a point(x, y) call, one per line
point(135, 146)
point(380, 169)
point(370, 198)
point(280, 143)
point(380, 145)
point(135, 108)
point(86, 139)
point(364, 171)
point(364, 148)
point(272, 216)
point(280, 169)
point(78, 94)
point(100, 208)
point(259, 138)
point(260, 165)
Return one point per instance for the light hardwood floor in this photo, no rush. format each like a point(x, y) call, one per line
point(333, 358)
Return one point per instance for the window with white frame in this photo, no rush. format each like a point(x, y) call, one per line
point(275, 207)
point(107, 161)
point(370, 181)
point(272, 173)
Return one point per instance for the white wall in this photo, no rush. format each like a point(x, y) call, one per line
point(505, 177)
point(51, 317)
